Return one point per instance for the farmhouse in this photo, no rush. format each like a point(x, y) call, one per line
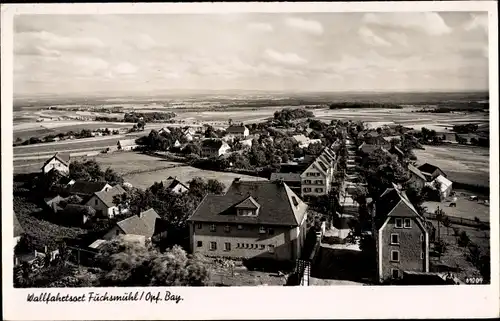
point(430, 171)
point(164, 130)
point(86, 189)
point(254, 219)
point(175, 186)
point(239, 131)
point(214, 148)
point(442, 184)
point(401, 237)
point(59, 162)
point(102, 202)
point(144, 224)
point(127, 144)
point(416, 177)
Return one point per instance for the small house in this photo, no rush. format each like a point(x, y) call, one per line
point(239, 131)
point(127, 144)
point(214, 148)
point(86, 189)
point(416, 177)
point(430, 171)
point(102, 202)
point(442, 184)
point(144, 224)
point(59, 162)
point(175, 186)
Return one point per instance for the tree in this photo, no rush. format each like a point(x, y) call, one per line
point(463, 239)
point(215, 187)
point(440, 247)
point(447, 224)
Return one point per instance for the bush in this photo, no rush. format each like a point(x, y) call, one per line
point(464, 239)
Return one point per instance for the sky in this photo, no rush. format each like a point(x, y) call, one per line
point(417, 51)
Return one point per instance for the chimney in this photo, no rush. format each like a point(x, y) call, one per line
point(236, 180)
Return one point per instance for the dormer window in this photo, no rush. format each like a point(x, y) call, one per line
point(248, 207)
point(262, 230)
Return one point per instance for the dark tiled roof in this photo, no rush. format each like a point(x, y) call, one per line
point(416, 171)
point(107, 197)
point(212, 143)
point(135, 225)
point(62, 157)
point(287, 177)
point(240, 129)
point(86, 188)
point(18, 229)
point(394, 202)
point(428, 168)
point(249, 202)
point(275, 200)
point(172, 182)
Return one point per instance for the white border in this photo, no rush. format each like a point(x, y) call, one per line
point(256, 302)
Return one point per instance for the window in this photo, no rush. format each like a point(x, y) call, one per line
point(213, 246)
point(394, 238)
point(117, 232)
point(319, 182)
point(246, 245)
point(422, 255)
point(251, 246)
point(96, 202)
point(270, 248)
point(395, 273)
point(319, 190)
point(399, 222)
point(227, 246)
point(307, 190)
point(307, 181)
point(421, 237)
point(395, 256)
point(407, 223)
point(212, 228)
point(227, 228)
point(262, 230)
point(199, 225)
point(240, 227)
point(270, 231)
point(199, 243)
point(262, 246)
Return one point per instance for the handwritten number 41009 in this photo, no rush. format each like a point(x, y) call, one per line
point(474, 280)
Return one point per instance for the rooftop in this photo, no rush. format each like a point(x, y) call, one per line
point(107, 197)
point(85, 187)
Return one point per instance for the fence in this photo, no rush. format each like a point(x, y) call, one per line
point(461, 221)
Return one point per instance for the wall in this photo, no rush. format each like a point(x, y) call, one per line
point(55, 163)
point(410, 248)
point(284, 240)
point(100, 207)
point(417, 181)
point(313, 184)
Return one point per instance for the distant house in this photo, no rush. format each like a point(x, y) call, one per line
point(59, 162)
point(86, 189)
point(18, 230)
point(177, 144)
point(395, 150)
point(302, 140)
point(164, 130)
point(373, 138)
point(390, 138)
point(53, 203)
point(445, 186)
point(292, 180)
point(77, 214)
point(367, 149)
point(254, 219)
point(247, 142)
point(175, 185)
point(102, 202)
point(239, 131)
point(401, 237)
point(127, 144)
point(416, 177)
point(430, 171)
point(189, 131)
point(214, 148)
point(144, 224)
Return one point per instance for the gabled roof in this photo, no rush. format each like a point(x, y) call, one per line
point(87, 188)
point(18, 229)
point(135, 225)
point(389, 138)
point(62, 157)
point(287, 177)
point(127, 142)
point(416, 171)
point(212, 143)
point(279, 205)
point(107, 197)
point(172, 182)
point(445, 183)
point(429, 168)
point(248, 202)
point(97, 244)
point(236, 129)
point(394, 202)
point(149, 217)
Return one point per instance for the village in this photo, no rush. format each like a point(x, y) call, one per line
point(317, 203)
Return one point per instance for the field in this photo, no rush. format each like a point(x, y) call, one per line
point(465, 208)
point(143, 170)
point(462, 164)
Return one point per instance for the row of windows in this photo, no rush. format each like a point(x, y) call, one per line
point(227, 229)
point(395, 257)
point(313, 174)
point(318, 182)
point(395, 238)
point(227, 246)
point(317, 190)
point(400, 223)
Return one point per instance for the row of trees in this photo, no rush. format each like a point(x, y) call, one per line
point(84, 133)
point(147, 117)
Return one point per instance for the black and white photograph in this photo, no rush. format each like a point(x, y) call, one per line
point(242, 149)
